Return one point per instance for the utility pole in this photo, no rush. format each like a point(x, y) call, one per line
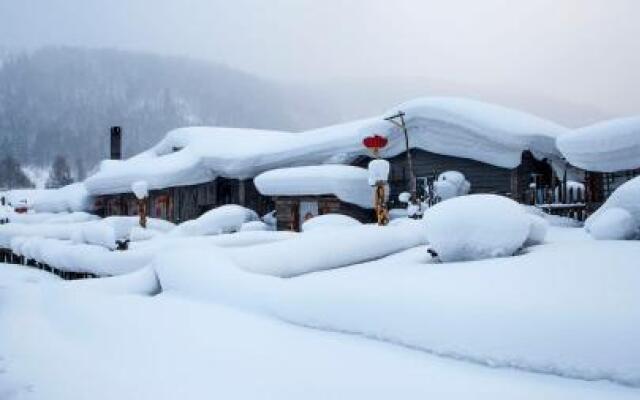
point(412, 176)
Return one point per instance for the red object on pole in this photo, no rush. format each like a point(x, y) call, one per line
point(375, 142)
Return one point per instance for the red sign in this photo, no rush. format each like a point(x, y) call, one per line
point(375, 142)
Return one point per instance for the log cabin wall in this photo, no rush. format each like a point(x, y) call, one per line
point(183, 203)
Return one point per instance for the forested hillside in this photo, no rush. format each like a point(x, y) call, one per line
point(61, 101)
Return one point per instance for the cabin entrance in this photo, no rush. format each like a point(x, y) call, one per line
point(306, 211)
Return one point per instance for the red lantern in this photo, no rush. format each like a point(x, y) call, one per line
point(375, 142)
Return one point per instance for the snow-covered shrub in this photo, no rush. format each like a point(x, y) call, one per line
point(451, 184)
point(476, 226)
point(225, 219)
point(626, 197)
point(329, 221)
point(270, 219)
point(613, 224)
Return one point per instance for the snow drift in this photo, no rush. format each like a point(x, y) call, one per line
point(478, 226)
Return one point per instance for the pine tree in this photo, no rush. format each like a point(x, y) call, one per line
point(60, 174)
point(12, 176)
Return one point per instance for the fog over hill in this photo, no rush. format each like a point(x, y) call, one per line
point(62, 100)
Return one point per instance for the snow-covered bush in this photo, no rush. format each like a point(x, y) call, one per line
point(329, 221)
point(613, 224)
point(606, 224)
point(451, 184)
point(477, 226)
point(225, 219)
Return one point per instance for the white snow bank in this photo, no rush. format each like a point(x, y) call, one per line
point(625, 197)
point(608, 146)
point(451, 184)
point(49, 218)
point(329, 221)
point(255, 226)
point(69, 198)
point(141, 282)
point(450, 126)
point(97, 233)
point(613, 223)
point(348, 183)
point(12, 274)
point(477, 226)
point(323, 249)
point(555, 310)
point(225, 219)
point(104, 347)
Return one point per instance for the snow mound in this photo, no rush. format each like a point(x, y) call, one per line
point(537, 230)
point(225, 219)
point(608, 146)
point(451, 184)
point(613, 224)
point(322, 249)
point(253, 226)
point(348, 183)
point(329, 221)
point(476, 226)
point(69, 198)
point(97, 233)
point(625, 197)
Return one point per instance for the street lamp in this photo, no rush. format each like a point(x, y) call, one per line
point(412, 176)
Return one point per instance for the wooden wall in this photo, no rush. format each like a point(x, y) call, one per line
point(182, 203)
point(484, 178)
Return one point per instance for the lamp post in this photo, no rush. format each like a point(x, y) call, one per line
point(378, 176)
point(412, 176)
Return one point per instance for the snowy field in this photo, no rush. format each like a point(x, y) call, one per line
point(236, 316)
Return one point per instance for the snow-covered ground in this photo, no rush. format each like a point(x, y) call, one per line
point(342, 311)
point(72, 344)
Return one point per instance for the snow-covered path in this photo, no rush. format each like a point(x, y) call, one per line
point(94, 346)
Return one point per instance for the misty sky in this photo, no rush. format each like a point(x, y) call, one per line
point(581, 51)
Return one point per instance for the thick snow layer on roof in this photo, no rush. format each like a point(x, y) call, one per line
point(450, 126)
point(480, 131)
point(348, 183)
point(608, 146)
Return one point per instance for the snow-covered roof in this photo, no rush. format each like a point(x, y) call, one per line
point(348, 183)
point(450, 126)
point(608, 146)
